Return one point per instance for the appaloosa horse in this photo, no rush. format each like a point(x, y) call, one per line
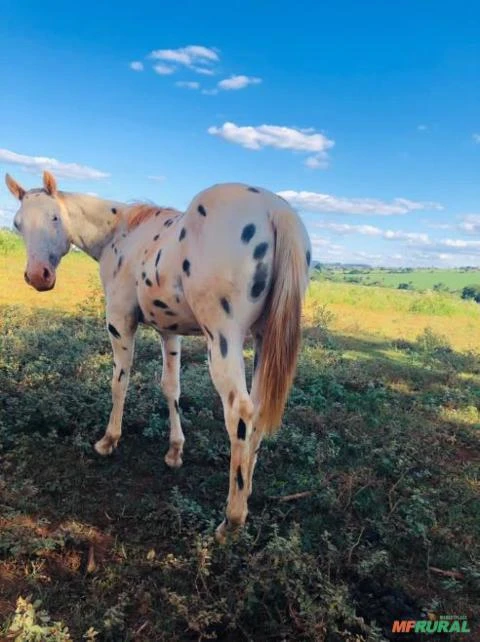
point(236, 261)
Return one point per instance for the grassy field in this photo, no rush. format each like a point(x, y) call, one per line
point(421, 279)
point(380, 439)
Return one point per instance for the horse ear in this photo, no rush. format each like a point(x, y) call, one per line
point(49, 183)
point(15, 188)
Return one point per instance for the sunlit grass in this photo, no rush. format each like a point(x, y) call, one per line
point(358, 310)
point(396, 314)
point(76, 275)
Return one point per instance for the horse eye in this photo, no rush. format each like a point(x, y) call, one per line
point(16, 225)
point(55, 218)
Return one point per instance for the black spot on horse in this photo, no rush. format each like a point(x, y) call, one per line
point(225, 305)
point(183, 233)
point(122, 372)
point(148, 282)
point(260, 251)
point(168, 222)
point(114, 210)
point(202, 210)
point(176, 406)
point(240, 478)
point(174, 354)
point(259, 280)
point(159, 253)
point(156, 237)
point(186, 267)
point(158, 212)
point(157, 277)
point(253, 189)
point(248, 232)
point(113, 331)
point(174, 326)
point(144, 275)
point(120, 261)
point(308, 257)
point(159, 304)
point(241, 430)
point(170, 313)
point(223, 345)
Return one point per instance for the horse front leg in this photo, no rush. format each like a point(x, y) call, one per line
point(170, 383)
point(121, 330)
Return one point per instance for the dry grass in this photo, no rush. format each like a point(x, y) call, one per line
point(357, 310)
point(75, 277)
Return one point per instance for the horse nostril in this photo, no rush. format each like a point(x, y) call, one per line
point(46, 273)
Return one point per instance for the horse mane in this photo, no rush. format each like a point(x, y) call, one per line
point(138, 213)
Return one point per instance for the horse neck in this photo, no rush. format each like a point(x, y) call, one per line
point(91, 221)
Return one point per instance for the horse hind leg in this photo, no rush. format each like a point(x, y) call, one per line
point(256, 435)
point(227, 370)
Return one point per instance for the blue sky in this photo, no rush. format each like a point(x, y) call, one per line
point(365, 115)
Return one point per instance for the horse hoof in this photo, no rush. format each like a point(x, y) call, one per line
point(227, 531)
point(221, 533)
point(105, 446)
point(173, 460)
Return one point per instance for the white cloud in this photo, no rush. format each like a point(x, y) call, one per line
point(422, 128)
point(258, 137)
point(188, 84)
point(460, 244)
point(195, 57)
point(371, 230)
point(439, 226)
point(345, 228)
point(205, 71)
point(470, 224)
point(476, 138)
point(411, 237)
point(317, 202)
point(36, 164)
point(136, 65)
point(163, 70)
point(238, 82)
point(210, 92)
point(314, 162)
point(159, 179)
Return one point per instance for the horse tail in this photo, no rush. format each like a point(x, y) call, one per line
point(282, 318)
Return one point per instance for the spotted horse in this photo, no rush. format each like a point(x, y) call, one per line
point(235, 261)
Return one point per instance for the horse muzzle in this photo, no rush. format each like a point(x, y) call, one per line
point(42, 278)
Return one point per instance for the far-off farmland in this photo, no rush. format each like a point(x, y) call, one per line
point(366, 504)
